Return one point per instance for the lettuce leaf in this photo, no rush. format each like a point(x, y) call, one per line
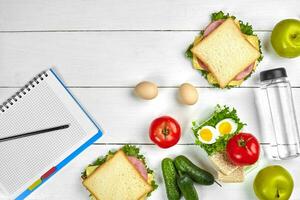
point(246, 28)
point(220, 113)
point(188, 52)
point(220, 15)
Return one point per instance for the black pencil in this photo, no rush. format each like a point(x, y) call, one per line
point(34, 133)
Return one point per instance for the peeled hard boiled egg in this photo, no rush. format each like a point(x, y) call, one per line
point(226, 126)
point(146, 90)
point(188, 94)
point(208, 135)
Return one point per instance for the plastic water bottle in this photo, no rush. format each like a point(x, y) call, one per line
point(279, 106)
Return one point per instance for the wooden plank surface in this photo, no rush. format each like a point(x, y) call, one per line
point(126, 119)
point(103, 48)
point(137, 14)
point(116, 59)
point(67, 183)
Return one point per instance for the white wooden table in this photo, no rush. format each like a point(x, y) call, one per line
point(103, 48)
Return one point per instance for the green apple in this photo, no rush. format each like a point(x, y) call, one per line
point(273, 183)
point(285, 38)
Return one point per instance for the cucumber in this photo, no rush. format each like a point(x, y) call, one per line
point(187, 188)
point(199, 175)
point(170, 176)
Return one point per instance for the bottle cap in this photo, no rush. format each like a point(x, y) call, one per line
point(273, 74)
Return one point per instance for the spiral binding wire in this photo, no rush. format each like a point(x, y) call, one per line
point(23, 91)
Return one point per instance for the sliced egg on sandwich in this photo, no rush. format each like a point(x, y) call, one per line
point(208, 135)
point(226, 126)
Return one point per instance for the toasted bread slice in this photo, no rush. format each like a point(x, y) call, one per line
point(237, 176)
point(117, 179)
point(222, 164)
point(226, 52)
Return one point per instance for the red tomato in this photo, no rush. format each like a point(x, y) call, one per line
point(165, 131)
point(243, 149)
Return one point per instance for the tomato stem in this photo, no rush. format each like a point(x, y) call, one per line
point(165, 132)
point(241, 142)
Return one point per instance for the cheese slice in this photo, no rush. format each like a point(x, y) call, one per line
point(195, 60)
point(90, 169)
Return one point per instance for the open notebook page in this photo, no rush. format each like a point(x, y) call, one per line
point(46, 105)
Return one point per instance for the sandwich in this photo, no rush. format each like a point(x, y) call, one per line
point(212, 136)
point(227, 172)
point(226, 52)
point(120, 175)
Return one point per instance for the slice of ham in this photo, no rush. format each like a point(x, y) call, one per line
point(244, 73)
point(202, 65)
point(139, 165)
point(212, 26)
point(238, 77)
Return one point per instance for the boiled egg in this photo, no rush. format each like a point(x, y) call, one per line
point(226, 126)
point(146, 90)
point(208, 134)
point(188, 94)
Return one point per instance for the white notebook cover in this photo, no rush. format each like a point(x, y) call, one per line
point(43, 103)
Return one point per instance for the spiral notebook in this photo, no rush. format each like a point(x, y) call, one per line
point(28, 162)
